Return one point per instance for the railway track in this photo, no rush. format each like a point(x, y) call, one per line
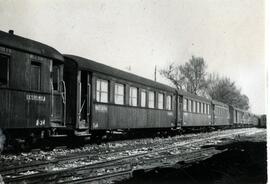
point(84, 168)
point(21, 167)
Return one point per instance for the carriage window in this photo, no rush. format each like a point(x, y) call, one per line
point(169, 103)
point(185, 105)
point(189, 105)
point(133, 96)
point(143, 98)
point(160, 101)
point(102, 91)
point(203, 107)
point(119, 94)
point(35, 76)
point(194, 106)
point(151, 101)
point(56, 76)
point(3, 70)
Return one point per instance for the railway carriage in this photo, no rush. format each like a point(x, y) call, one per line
point(221, 115)
point(262, 121)
point(253, 120)
point(101, 98)
point(31, 88)
point(45, 94)
point(195, 111)
point(238, 117)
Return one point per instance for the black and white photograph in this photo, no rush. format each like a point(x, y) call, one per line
point(134, 91)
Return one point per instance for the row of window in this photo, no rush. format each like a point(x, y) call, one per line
point(102, 95)
point(221, 111)
point(196, 107)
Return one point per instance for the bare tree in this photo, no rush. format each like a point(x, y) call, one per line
point(226, 91)
point(189, 77)
point(173, 74)
point(195, 74)
point(192, 77)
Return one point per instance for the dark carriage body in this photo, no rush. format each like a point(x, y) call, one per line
point(221, 115)
point(27, 97)
point(237, 116)
point(106, 98)
point(196, 110)
point(262, 121)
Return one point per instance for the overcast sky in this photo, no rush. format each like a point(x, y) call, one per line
point(228, 34)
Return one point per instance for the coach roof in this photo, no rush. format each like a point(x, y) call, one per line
point(90, 65)
point(193, 96)
point(220, 103)
point(19, 43)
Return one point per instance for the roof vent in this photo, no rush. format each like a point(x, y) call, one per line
point(11, 32)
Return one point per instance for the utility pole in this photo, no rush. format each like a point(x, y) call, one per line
point(155, 72)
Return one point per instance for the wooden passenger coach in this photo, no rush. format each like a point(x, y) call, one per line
point(196, 110)
point(31, 86)
point(106, 98)
point(221, 115)
point(45, 94)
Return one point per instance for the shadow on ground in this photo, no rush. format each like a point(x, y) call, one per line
point(244, 162)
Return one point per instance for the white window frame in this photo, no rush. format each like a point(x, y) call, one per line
point(194, 108)
point(119, 95)
point(185, 104)
point(151, 99)
point(133, 96)
point(160, 101)
point(189, 105)
point(101, 92)
point(143, 98)
point(169, 102)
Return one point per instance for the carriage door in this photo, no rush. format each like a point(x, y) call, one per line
point(58, 95)
point(84, 100)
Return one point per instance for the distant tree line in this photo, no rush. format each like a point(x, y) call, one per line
point(193, 78)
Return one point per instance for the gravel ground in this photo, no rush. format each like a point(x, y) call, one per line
point(244, 162)
point(178, 145)
point(128, 146)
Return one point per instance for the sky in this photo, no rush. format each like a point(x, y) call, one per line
point(142, 34)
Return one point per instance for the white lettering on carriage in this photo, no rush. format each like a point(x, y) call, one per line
point(39, 98)
point(40, 122)
point(101, 108)
point(95, 124)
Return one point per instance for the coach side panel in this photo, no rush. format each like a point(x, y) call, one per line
point(196, 112)
point(24, 98)
point(111, 115)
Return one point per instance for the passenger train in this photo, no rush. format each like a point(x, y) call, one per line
point(45, 94)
